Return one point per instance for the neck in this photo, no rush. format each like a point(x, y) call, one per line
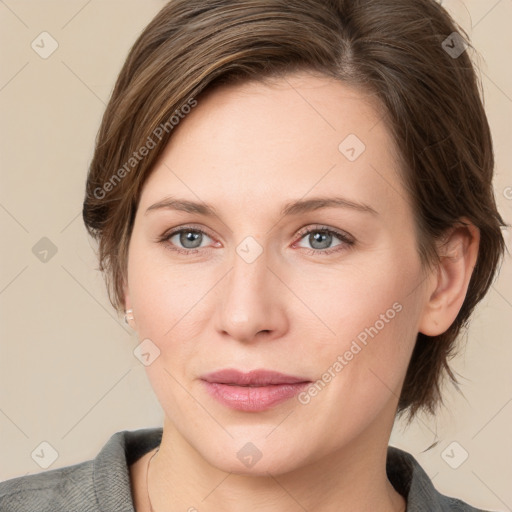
point(353, 478)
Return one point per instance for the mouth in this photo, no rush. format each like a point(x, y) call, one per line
point(255, 391)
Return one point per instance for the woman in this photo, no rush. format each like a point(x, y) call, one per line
point(291, 201)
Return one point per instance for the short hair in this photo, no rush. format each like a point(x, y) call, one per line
point(410, 55)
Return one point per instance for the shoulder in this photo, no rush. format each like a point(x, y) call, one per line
point(411, 480)
point(98, 485)
point(50, 491)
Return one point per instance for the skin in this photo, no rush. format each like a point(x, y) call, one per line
point(248, 149)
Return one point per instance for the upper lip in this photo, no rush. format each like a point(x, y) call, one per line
point(252, 378)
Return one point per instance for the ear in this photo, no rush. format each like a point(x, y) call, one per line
point(458, 252)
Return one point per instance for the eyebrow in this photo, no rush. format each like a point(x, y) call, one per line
point(290, 208)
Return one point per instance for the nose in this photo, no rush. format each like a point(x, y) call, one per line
point(252, 303)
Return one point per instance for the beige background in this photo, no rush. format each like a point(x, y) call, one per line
point(68, 375)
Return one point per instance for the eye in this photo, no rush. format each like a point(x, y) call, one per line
point(189, 239)
point(185, 240)
point(321, 240)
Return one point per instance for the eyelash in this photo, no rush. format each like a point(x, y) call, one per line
point(346, 240)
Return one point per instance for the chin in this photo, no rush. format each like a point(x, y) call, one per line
point(242, 457)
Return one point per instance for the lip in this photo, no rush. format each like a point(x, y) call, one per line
point(254, 391)
point(253, 378)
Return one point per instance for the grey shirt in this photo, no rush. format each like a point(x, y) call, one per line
point(103, 483)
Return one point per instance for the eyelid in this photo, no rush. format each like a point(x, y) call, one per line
point(185, 227)
point(320, 227)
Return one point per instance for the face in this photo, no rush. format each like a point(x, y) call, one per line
point(300, 258)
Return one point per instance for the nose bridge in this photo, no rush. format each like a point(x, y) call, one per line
point(248, 282)
point(248, 274)
point(249, 303)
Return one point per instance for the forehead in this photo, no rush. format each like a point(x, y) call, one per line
point(252, 142)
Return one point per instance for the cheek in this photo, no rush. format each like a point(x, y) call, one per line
point(161, 293)
point(359, 377)
point(364, 296)
point(166, 300)
point(170, 304)
point(372, 309)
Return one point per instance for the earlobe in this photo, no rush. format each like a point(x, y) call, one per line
point(458, 253)
point(129, 318)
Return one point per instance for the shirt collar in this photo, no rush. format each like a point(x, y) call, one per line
point(112, 486)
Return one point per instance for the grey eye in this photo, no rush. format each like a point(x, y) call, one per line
point(319, 239)
point(188, 238)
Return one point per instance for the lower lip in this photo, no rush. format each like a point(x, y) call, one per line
point(253, 399)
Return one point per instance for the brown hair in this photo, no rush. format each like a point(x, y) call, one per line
point(397, 49)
